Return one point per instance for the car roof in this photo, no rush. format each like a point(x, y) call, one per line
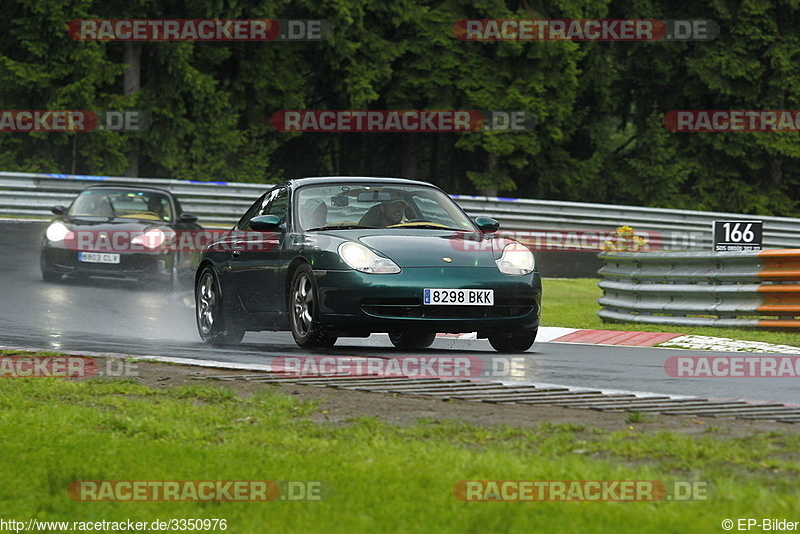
point(356, 180)
point(129, 188)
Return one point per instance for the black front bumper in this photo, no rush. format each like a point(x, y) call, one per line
point(157, 266)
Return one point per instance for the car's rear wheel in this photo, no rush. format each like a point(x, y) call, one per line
point(214, 322)
point(411, 340)
point(304, 311)
point(513, 342)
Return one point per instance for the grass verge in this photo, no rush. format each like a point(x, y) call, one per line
point(382, 478)
point(573, 303)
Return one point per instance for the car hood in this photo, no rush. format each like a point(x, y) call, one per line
point(99, 234)
point(116, 224)
point(433, 248)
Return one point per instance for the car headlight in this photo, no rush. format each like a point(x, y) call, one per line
point(57, 231)
point(516, 259)
point(150, 239)
point(363, 259)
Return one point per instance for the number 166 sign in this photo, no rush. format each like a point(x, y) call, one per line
point(730, 236)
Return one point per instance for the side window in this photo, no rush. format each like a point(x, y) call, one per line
point(254, 210)
point(275, 204)
point(272, 203)
point(178, 208)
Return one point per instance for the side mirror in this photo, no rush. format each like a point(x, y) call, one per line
point(188, 217)
point(266, 223)
point(59, 210)
point(487, 225)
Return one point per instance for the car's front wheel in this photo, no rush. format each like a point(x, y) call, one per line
point(411, 340)
point(48, 275)
point(170, 282)
point(513, 342)
point(213, 320)
point(304, 311)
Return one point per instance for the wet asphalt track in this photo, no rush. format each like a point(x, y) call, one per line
point(110, 316)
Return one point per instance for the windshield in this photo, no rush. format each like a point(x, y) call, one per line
point(128, 204)
point(377, 206)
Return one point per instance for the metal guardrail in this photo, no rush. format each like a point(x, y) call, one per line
point(543, 224)
point(729, 289)
point(665, 229)
point(215, 203)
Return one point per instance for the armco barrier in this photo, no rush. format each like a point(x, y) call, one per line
point(543, 224)
point(733, 289)
point(216, 203)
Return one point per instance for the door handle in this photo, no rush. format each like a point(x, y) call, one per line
point(236, 253)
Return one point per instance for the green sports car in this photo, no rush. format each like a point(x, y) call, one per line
point(332, 257)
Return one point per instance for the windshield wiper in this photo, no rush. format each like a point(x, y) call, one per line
point(422, 225)
point(111, 205)
point(341, 227)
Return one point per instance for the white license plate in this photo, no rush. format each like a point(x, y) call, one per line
point(98, 257)
point(458, 297)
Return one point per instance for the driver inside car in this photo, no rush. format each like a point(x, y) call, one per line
point(156, 206)
point(385, 214)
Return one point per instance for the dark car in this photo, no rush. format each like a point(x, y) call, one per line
point(332, 257)
point(120, 232)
